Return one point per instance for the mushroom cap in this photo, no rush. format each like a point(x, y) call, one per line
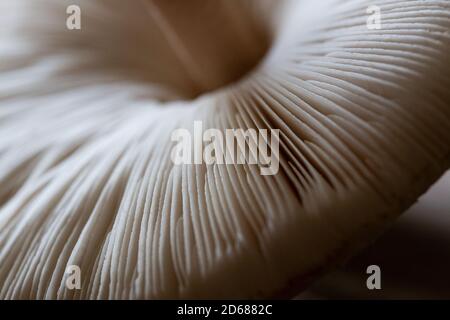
point(86, 123)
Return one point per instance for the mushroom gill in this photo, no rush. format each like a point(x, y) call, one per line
point(86, 118)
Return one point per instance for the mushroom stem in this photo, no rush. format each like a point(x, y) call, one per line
point(213, 47)
point(180, 50)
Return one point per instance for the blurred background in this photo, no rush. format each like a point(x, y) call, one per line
point(413, 255)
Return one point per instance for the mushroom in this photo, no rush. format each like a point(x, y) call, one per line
point(86, 123)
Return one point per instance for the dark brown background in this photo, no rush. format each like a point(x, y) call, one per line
point(414, 256)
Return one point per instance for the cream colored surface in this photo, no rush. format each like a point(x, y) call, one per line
point(86, 119)
point(413, 256)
